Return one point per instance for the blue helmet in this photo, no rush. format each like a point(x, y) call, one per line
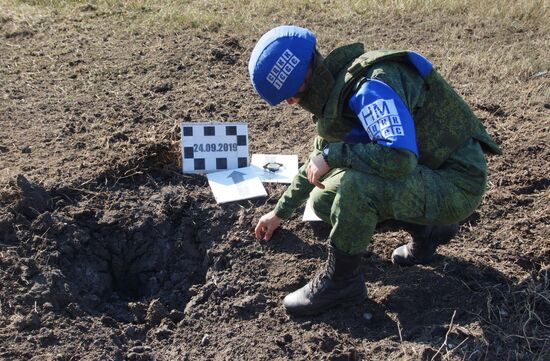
point(279, 62)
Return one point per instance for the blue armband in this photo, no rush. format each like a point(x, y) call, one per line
point(384, 116)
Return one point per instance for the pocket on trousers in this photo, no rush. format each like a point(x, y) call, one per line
point(407, 199)
point(445, 202)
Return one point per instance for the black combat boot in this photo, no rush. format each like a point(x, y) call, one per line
point(425, 240)
point(339, 283)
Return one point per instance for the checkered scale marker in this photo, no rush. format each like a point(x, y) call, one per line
point(211, 147)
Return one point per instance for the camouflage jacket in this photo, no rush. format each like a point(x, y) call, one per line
point(443, 121)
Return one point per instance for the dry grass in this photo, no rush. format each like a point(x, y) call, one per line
point(519, 316)
point(511, 64)
point(246, 14)
point(516, 62)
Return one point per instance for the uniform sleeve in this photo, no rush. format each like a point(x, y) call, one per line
point(298, 191)
point(392, 152)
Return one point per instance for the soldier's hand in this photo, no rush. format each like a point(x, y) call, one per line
point(316, 169)
point(267, 225)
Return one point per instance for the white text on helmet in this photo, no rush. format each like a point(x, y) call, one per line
point(282, 69)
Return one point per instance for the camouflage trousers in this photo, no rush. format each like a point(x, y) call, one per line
point(354, 202)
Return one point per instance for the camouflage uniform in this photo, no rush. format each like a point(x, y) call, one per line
point(370, 183)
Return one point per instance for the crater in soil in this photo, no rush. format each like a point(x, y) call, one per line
point(114, 247)
point(133, 248)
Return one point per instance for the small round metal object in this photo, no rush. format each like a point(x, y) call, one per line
point(367, 316)
point(273, 166)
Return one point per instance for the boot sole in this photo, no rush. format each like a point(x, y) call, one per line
point(318, 311)
point(407, 263)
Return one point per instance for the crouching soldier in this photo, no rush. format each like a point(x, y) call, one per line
point(394, 143)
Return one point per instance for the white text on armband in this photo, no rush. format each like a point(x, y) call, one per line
point(282, 69)
point(381, 119)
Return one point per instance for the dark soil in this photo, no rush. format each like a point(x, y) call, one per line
point(108, 252)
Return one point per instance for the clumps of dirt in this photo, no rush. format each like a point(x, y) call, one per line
point(162, 159)
point(162, 87)
point(228, 52)
point(24, 204)
point(14, 28)
point(7, 232)
point(124, 255)
point(22, 33)
point(132, 249)
point(33, 199)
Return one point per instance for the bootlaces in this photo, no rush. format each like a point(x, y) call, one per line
point(320, 280)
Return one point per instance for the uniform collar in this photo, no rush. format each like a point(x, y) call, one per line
point(323, 77)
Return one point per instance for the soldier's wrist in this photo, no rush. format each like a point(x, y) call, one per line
point(283, 212)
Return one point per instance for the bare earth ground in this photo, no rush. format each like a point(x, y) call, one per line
point(107, 252)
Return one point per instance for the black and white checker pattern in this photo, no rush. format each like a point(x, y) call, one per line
point(211, 147)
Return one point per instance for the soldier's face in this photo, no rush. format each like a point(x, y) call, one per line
point(296, 98)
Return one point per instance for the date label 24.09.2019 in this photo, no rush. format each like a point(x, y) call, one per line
point(215, 147)
point(209, 147)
